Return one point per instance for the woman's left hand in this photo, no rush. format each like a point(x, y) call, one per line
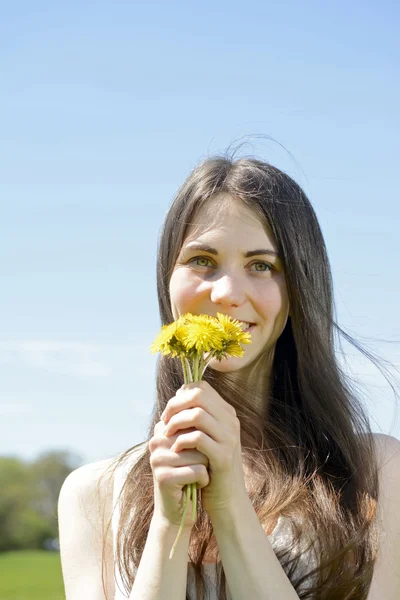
point(216, 434)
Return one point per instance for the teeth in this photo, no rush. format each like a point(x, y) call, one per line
point(245, 325)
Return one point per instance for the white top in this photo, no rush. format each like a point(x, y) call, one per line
point(281, 537)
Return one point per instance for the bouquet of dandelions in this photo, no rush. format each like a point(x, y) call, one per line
point(196, 339)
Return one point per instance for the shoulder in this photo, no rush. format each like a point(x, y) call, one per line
point(386, 578)
point(387, 450)
point(89, 483)
point(84, 510)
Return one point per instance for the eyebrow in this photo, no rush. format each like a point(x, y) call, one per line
point(205, 248)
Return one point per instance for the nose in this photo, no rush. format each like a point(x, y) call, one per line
point(229, 291)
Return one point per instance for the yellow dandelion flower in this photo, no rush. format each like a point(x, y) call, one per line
point(201, 333)
point(233, 348)
point(189, 318)
point(168, 341)
point(233, 330)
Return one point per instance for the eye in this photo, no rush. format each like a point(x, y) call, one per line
point(265, 267)
point(200, 258)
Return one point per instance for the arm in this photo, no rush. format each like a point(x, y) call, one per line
point(250, 564)
point(83, 513)
point(159, 578)
point(252, 569)
point(82, 509)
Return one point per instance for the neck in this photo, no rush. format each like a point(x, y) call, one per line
point(254, 381)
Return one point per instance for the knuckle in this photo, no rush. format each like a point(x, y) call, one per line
point(158, 427)
point(195, 393)
point(232, 410)
point(162, 476)
point(203, 475)
point(197, 413)
point(153, 444)
point(153, 460)
point(202, 470)
point(236, 423)
point(198, 436)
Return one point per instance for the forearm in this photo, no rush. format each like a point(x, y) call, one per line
point(250, 564)
point(158, 577)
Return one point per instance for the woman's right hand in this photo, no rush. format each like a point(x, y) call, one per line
point(171, 472)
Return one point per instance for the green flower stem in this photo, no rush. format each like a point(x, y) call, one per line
point(193, 486)
point(190, 490)
point(189, 371)
point(194, 501)
point(196, 368)
point(201, 366)
point(186, 495)
point(186, 369)
point(204, 363)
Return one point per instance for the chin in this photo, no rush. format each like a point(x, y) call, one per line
point(227, 365)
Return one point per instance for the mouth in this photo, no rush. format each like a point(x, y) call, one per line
point(247, 326)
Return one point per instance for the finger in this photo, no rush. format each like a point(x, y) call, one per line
point(197, 418)
point(159, 428)
point(198, 440)
point(184, 476)
point(189, 398)
point(160, 440)
point(165, 457)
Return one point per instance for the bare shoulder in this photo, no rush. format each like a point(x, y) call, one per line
point(387, 446)
point(387, 450)
point(94, 476)
point(386, 579)
point(84, 512)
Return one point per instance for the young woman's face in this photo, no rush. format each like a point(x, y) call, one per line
point(228, 263)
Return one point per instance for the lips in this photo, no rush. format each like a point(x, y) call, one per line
point(246, 325)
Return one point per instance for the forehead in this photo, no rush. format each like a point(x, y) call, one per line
point(223, 214)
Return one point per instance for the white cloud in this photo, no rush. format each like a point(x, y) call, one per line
point(122, 364)
point(12, 409)
point(79, 359)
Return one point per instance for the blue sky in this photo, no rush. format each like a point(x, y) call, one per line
point(105, 108)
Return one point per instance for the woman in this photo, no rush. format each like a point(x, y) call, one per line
point(298, 498)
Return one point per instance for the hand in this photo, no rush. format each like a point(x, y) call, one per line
point(171, 472)
point(216, 434)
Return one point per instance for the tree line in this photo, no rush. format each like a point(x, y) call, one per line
point(28, 498)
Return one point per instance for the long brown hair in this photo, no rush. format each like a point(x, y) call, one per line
point(312, 451)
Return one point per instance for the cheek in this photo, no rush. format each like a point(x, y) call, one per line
point(277, 306)
point(182, 292)
point(275, 303)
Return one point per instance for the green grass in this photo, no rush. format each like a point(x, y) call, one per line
point(31, 575)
